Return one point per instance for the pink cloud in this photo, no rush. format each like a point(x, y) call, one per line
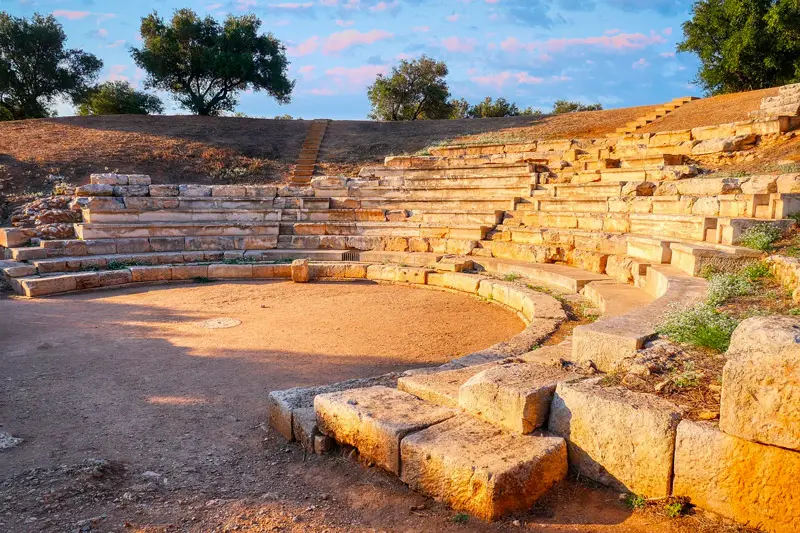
point(667, 31)
point(520, 78)
point(344, 23)
point(384, 6)
point(421, 29)
point(322, 91)
point(454, 44)
point(641, 63)
point(347, 38)
point(309, 46)
point(71, 15)
point(453, 18)
point(356, 77)
point(285, 5)
point(620, 41)
point(667, 54)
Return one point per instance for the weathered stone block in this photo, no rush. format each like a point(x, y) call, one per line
point(94, 189)
point(748, 482)
point(375, 420)
point(238, 191)
point(110, 278)
point(440, 386)
point(164, 190)
point(230, 271)
point(184, 272)
point(151, 273)
point(194, 191)
point(515, 396)
point(761, 382)
point(272, 271)
point(300, 271)
point(304, 427)
point(475, 467)
point(108, 179)
point(617, 437)
point(48, 285)
point(456, 281)
point(131, 190)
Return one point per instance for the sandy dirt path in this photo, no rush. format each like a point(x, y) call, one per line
point(137, 418)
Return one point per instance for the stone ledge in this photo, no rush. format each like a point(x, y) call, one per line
point(748, 482)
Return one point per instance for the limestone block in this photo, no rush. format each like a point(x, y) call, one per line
point(151, 273)
point(760, 185)
point(456, 281)
point(440, 387)
point(184, 272)
point(300, 271)
point(131, 190)
point(281, 404)
point(108, 179)
point(48, 285)
point(515, 396)
point(230, 271)
point(17, 270)
point(412, 275)
point(748, 482)
point(110, 278)
point(272, 271)
point(475, 467)
point(761, 382)
point(382, 272)
point(374, 420)
point(418, 244)
point(724, 144)
point(339, 270)
point(194, 191)
point(617, 437)
point(166, 244)
point(460, 246)
point(133, 246)
point(706, 206)
point(164, 190)
point(138, 179)
point(236, 191)
point(788, 184)
point(304, 427)
point(395, 244)
point(210, 243)
point(14, 237)
point(260, 191)
point(94, 189)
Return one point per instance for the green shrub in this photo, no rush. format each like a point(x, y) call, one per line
point(761, 236)
point(511, 276)
point(461, 518)
point(701, 326)
point(635, 501)
point(675, 509)
point(756, 271)
point(723, 287)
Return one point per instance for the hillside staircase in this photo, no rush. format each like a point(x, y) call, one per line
point(307, 160)
point(659, 112)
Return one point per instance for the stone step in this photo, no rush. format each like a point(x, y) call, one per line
point(459, 204)
point(470, 465)
point(614, 298)
point(179, 215)
point(521, 180)
point(174, 229)
point(443, 192)
point(465, 171)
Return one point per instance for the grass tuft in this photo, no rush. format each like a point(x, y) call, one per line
point(701, 326)
point(761, 236)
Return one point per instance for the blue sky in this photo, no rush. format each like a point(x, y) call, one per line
point(617, 52)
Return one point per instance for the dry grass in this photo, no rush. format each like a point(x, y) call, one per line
point(710, 111)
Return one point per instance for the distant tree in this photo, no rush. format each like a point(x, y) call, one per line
point(205, 64)
point(531, 112)
point(415, 89)
point(284, 117)
point(744, 45)
point(567, 106)
point(35, 68)
point(459, 108)
point(494, 108)
point(119, 98)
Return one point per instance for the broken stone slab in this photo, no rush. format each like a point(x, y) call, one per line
point(281, 404)
point(617, 437)
point(8, 441)
point(193, 190)
point(478, 468)
point(751, 483)
point(94, 189)
point(761, 382)
point(374, 420)
point(515, 395)
point(438, 386)
point(550, 355)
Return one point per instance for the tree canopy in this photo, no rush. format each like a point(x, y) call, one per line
point(205, 64)
point(499, 108)
point(568, 106)
point(415, 89)
point(119, 98)
point(744, 45)
point(36, 68)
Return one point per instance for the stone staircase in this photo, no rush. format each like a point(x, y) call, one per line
point(785, 103)
point(656, 114)
point(309, 153)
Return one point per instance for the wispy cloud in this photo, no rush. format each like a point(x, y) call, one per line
point(71, 15)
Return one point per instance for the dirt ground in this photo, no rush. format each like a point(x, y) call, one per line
point(136, 418)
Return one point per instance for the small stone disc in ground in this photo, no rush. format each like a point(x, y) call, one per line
point(220, 323)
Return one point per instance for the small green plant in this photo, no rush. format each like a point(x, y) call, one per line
point(688, 378)
point(756, 271)
point(461, 518)
point(795, 217)
point(707, 271)
point(635, 501)
point(122, 265)
point(761, 236)
point(511, 276)
point(723, 287)
point(675, 509)
point(238, 260)
point(701, 325)
point(794, 311)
